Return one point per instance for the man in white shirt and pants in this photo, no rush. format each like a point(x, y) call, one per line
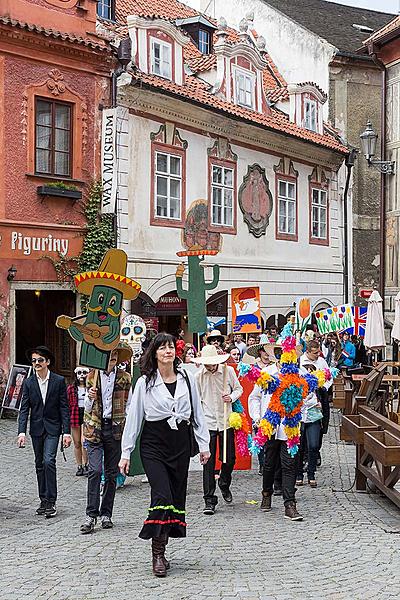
point(218, 385)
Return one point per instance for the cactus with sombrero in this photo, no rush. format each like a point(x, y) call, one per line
point(99, 328)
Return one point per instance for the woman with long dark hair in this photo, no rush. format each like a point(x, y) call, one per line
point(164, 398)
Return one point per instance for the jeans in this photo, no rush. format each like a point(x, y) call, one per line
point(45, 449)
point(275, 449)
point(310, 437)
point(225, 477)
point(111, 450)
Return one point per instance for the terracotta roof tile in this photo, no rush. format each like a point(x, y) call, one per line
point(68, 37)
point(278, 94)
point(160, 9)
point(198, 92)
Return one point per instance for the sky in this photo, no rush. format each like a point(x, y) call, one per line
point(392, 6)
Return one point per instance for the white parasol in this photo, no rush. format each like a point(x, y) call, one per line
point(375, 330)
point(396, 325)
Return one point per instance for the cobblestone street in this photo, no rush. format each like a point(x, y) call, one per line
point(347, 548)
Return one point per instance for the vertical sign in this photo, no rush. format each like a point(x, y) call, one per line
point(109, 171)
point(246, 316)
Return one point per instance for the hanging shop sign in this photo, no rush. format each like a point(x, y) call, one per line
point(109, 170)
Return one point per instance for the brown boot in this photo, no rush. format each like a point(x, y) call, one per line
point(166, 562)
point(291, 512)
point(158, 550)
point(266, 501)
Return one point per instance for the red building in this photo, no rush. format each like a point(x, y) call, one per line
point(54, 79)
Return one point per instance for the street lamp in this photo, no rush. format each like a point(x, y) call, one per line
point(368, 145)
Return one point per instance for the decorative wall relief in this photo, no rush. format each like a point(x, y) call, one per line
point(255, 200)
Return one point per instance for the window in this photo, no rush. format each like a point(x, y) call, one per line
point(244, 89)
point(319, 214)
point(310, 114)
point(53, 138)
point(161, 63)
point(286, 207)
point(106, 9)
point(168, 185)
point(204, 41)
point(222, 191)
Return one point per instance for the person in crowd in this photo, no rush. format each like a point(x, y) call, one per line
point(215, 338)
point(312, 356)
point(166, 399)
point(252, 340)
point(274, 450)
point(218, 385)
point(189, 352)
point(234, 353)
point(311, 424)
point(361, 357)
point(273, 334)
point(44, 398)
point(240, 344)
point(348, 353)
point(76, 393)
point(106, 404)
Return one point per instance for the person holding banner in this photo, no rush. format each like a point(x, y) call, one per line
point(218, 387)
point(166, 399)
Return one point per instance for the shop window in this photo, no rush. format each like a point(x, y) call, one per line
point(106, 9)
point(287, 210)
point(244, 88)
point(53, 138)
point(168, 186)
point(319, 215)
point(161, 58)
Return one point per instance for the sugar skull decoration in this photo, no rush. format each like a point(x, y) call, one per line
point(99, 328)
point(133, 333)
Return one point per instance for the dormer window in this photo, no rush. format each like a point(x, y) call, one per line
point(106, 9)
point(161, 58)
point(244, 88)
point(204, 41)
point(310, 114)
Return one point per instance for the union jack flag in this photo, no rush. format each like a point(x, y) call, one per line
point(360, 321)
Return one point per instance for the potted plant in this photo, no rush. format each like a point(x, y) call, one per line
point(61, 189)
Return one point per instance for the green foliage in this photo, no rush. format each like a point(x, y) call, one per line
point(60, 185)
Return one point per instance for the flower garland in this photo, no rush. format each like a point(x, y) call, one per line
point(288, 390)
point(239, 422)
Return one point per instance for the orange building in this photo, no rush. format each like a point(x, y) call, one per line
point(54, 79)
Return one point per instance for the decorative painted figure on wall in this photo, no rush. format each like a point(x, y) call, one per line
point(199, 242)
point(133, 333)
point(255, 200)
point(99, 330)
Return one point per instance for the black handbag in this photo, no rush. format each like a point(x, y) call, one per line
point(194, 447)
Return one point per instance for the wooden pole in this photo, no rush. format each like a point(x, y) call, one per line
point(225, 438)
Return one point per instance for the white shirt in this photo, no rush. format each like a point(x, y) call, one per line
point(259, 402)
point(155, 403)
point(211, 390)
point(81, 396)
point(43, 385)
point(107, 389)
point(319, 364)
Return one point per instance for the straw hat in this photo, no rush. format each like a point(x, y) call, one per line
point(111, 273)
point(263, 343)
point(215, 334)
point(124, 352)
point(209, 356)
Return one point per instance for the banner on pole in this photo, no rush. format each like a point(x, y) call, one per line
point(336, 318)
point(246, 315)
point(303, 314)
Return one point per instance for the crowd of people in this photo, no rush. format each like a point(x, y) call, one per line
point(174, 412)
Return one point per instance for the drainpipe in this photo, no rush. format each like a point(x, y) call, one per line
point(349, 162)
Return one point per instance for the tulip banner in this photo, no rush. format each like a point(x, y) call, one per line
point(303, 314)
point(336, 318)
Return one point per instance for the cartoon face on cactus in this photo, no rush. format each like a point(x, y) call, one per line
point(104, 306)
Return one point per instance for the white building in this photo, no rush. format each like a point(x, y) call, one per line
point(195, 123)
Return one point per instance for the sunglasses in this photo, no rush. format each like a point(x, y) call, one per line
point(37, 360)
point(82, 372)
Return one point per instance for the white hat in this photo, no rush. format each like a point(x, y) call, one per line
point(209, 356)
point(215, 334)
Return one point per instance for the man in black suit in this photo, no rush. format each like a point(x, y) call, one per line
point(45, 397)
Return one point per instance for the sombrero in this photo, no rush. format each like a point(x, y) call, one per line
point(209, 356)
point(254, 349)
point(111, 273)
point(215, 334)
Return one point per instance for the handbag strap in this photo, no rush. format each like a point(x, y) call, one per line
point(185, 375)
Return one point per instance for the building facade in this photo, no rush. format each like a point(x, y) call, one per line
point(54, 77)
point(196, 123)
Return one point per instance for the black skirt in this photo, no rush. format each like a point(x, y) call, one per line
point(165, 455)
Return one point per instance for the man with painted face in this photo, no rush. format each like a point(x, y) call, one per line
point(104, 420)
point(45, 398)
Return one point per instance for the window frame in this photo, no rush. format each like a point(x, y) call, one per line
point(279, 235)
point(163, 44)
point(320, 241)
point(240, 71)
point(312, 103)
point(112, 10)
point(53, 102)
point(207, 44)
point(160, 148)
point(225, 164)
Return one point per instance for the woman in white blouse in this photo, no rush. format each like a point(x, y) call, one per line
point(162, 400)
